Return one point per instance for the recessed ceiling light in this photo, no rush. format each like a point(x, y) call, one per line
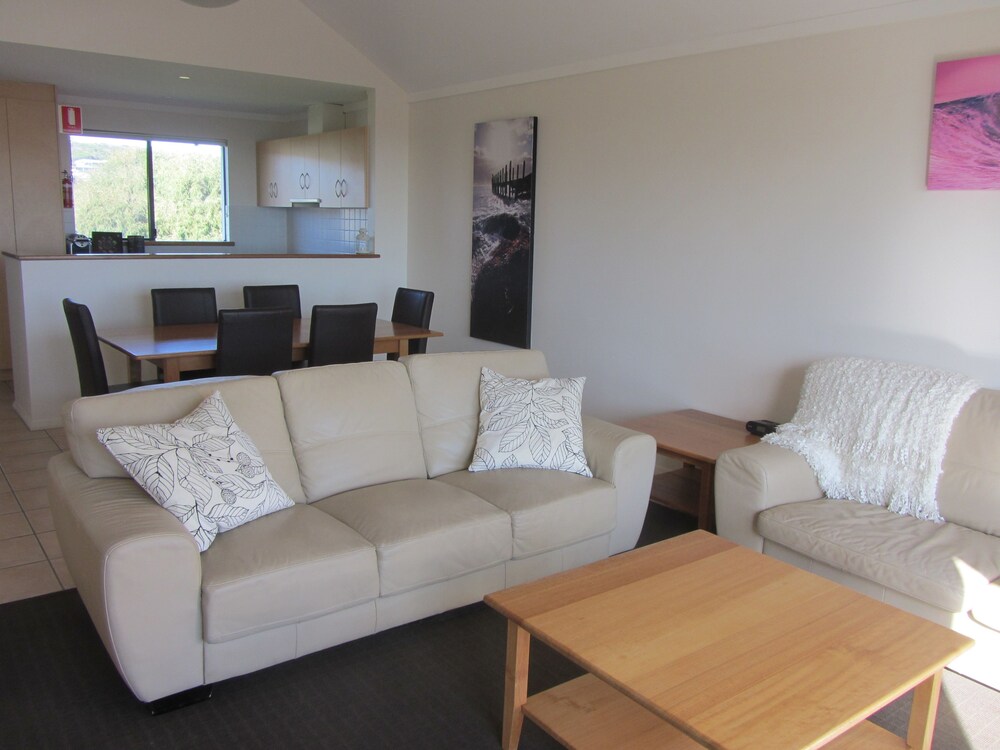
point(209, 3)
point(185, 78)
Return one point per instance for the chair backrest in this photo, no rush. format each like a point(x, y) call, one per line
point(254, 342)
point(86, 347)
point(339, 334)
point(187, 306)
point(274, 295)
point(413, 306)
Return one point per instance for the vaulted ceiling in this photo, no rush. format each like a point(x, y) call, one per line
point(434, 46)
point(440, 47)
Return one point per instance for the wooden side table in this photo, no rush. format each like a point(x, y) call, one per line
point(696, 438)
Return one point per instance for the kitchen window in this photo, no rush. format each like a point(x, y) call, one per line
point(163, 189)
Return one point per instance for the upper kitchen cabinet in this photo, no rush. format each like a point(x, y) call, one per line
point(343, 165)
point(304, 168)
point(30, 190)
point(273, 172)
point(327, 169)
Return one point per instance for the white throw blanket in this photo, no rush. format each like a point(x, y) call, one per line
point(876, 431)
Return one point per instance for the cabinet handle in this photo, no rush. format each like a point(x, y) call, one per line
point(308, 181)
point(344, 192)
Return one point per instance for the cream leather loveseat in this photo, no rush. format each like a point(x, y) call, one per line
point(388, 526)
point(767, 498)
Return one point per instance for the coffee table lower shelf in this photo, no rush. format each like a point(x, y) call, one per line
point(587, 713)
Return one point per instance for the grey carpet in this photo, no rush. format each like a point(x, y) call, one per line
point(437, 683)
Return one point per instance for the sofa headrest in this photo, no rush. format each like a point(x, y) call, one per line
point(968, 491)
point(446, 389)
point(254, 402)
point(351, 426)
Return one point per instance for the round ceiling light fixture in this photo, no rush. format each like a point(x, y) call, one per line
point(209, 3)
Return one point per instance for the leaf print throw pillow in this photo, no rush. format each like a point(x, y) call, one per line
point(202, 468)
point(530, 424)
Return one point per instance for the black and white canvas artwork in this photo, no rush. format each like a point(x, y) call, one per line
point(503, 223)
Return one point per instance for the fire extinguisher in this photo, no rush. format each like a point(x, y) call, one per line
point(67, 188)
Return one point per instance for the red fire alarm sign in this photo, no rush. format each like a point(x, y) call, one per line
point(70, 120)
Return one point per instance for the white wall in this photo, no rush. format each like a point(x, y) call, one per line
point(707, 226)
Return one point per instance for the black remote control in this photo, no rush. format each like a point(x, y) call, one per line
point(761, 427)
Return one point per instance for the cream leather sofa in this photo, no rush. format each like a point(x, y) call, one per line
point(388, 524)
point(767, 498)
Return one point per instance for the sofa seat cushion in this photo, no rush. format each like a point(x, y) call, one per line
point(424, 531)
point(287, 567)
point(944, 565)
point(548, 509)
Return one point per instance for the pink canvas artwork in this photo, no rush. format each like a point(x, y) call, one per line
point(965, 128)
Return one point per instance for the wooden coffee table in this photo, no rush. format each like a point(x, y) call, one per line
point(697, 642)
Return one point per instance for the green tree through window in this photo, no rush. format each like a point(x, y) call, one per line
point(118, 180)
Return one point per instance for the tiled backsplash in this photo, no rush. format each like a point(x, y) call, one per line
point(325, 230)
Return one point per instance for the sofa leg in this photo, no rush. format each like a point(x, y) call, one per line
point(179, 700)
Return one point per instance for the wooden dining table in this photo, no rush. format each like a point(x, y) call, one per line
point(177, 349)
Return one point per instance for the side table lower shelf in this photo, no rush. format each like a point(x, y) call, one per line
point(695, 438)
point(678, 490)
point(587, 713)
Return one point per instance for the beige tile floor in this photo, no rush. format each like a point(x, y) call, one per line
point(31, 561)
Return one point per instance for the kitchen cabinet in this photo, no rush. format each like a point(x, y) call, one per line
point(304, 171)
point(273, 172)
point(31, 221)
point(343, 165)
point(31, 199)
point(328, 169)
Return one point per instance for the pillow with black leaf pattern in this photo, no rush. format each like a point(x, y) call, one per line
point(202, 468)
point(530, 424)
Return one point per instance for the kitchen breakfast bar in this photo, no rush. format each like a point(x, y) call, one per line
point(116, 289)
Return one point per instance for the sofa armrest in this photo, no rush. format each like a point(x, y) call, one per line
point(754, 478)
point(138, 572)
point(626, 459)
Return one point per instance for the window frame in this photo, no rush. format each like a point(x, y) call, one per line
point(150, 180)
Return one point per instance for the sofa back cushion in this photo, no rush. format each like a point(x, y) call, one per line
point(254, 403)
point(351, 426)
point(446, 389)
point(968, 491)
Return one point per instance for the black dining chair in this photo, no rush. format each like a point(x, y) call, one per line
point(254, 342)
point(339, 334)
point(184, 306)
point(274, 295)
point(87, 349)
point(413, 307)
